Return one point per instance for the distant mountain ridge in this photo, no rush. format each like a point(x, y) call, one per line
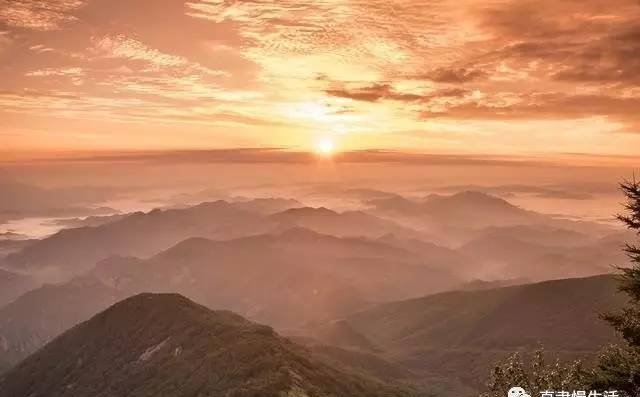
point(314, 276)
point(348, 223)
point(547, 254)
point(450, 219)
point(13, 285)
point(38, 316)
point(459, 334)
point(348, 279)
point(166, 345)
point(467, 208)
point(414, 226)
point(74, 251)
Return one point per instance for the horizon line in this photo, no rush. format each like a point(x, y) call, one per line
point(284, 155)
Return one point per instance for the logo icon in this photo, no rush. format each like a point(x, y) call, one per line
point(517, 392)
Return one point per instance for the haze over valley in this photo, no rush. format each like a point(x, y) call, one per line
point(365, 278)
point(327, 198)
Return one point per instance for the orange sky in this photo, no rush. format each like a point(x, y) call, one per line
point(507, 77)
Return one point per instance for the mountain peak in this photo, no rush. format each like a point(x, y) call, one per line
point(472, 201)
point(472, 196)
point(154, 309)
point(306, 211)
point(150, 301)
point(213, 204)
point(165, 344)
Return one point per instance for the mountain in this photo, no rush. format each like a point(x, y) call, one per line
point(433, 253)
point(494, 240)
point(479, 284)
point(562, 314)
point(541, 235)
point(38, 316)
point(474, 207)
point(264, 206)
point(314, 275)
point(366, 364)
point(267, 206)
point(545, 191)
point(90, 221)
point(13, 285)
point(506, 254)
point(74, 251)
point(469, 208)
point(12, 236)
point(458, 335)
point(10, 246)
point(166, 345)
point(283, 280)
point(457, 218)
point(340, 333)
point(349, 223)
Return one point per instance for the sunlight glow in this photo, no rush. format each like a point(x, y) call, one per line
point(325, 146)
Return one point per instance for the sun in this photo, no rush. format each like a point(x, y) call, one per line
point(325, 147)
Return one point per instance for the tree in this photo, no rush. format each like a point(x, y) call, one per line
point(537, 377)
point(619, 366)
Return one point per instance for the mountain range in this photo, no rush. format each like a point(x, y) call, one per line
point(490, 221)
point(431, 291)
point(455, 219)
point(166, 345)
point(13, 285)
point(74, 251)
point(448, 339)
point(457, 335)
point(38, 316)
point(314, 276)
point(444, 342)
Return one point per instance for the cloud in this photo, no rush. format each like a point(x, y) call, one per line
point(285, 72)
point(40, 48)
point(277, 155)
point(56, 72)
point(453, 75)
point(580, 41)
point(613, 58)
point(374, 93)
point(120, 46)
point(541, 106)
point(377, 92)
point(38, 14)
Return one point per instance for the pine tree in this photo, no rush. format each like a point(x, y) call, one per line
point(619, 366)
point(628, 321)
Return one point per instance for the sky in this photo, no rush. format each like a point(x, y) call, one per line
point(490, 77)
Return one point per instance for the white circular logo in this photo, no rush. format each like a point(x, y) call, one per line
point(517, 392)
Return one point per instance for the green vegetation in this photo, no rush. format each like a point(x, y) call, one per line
point(453, 338)
point(167, 346)
point(537, 377)
point(618, 367)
